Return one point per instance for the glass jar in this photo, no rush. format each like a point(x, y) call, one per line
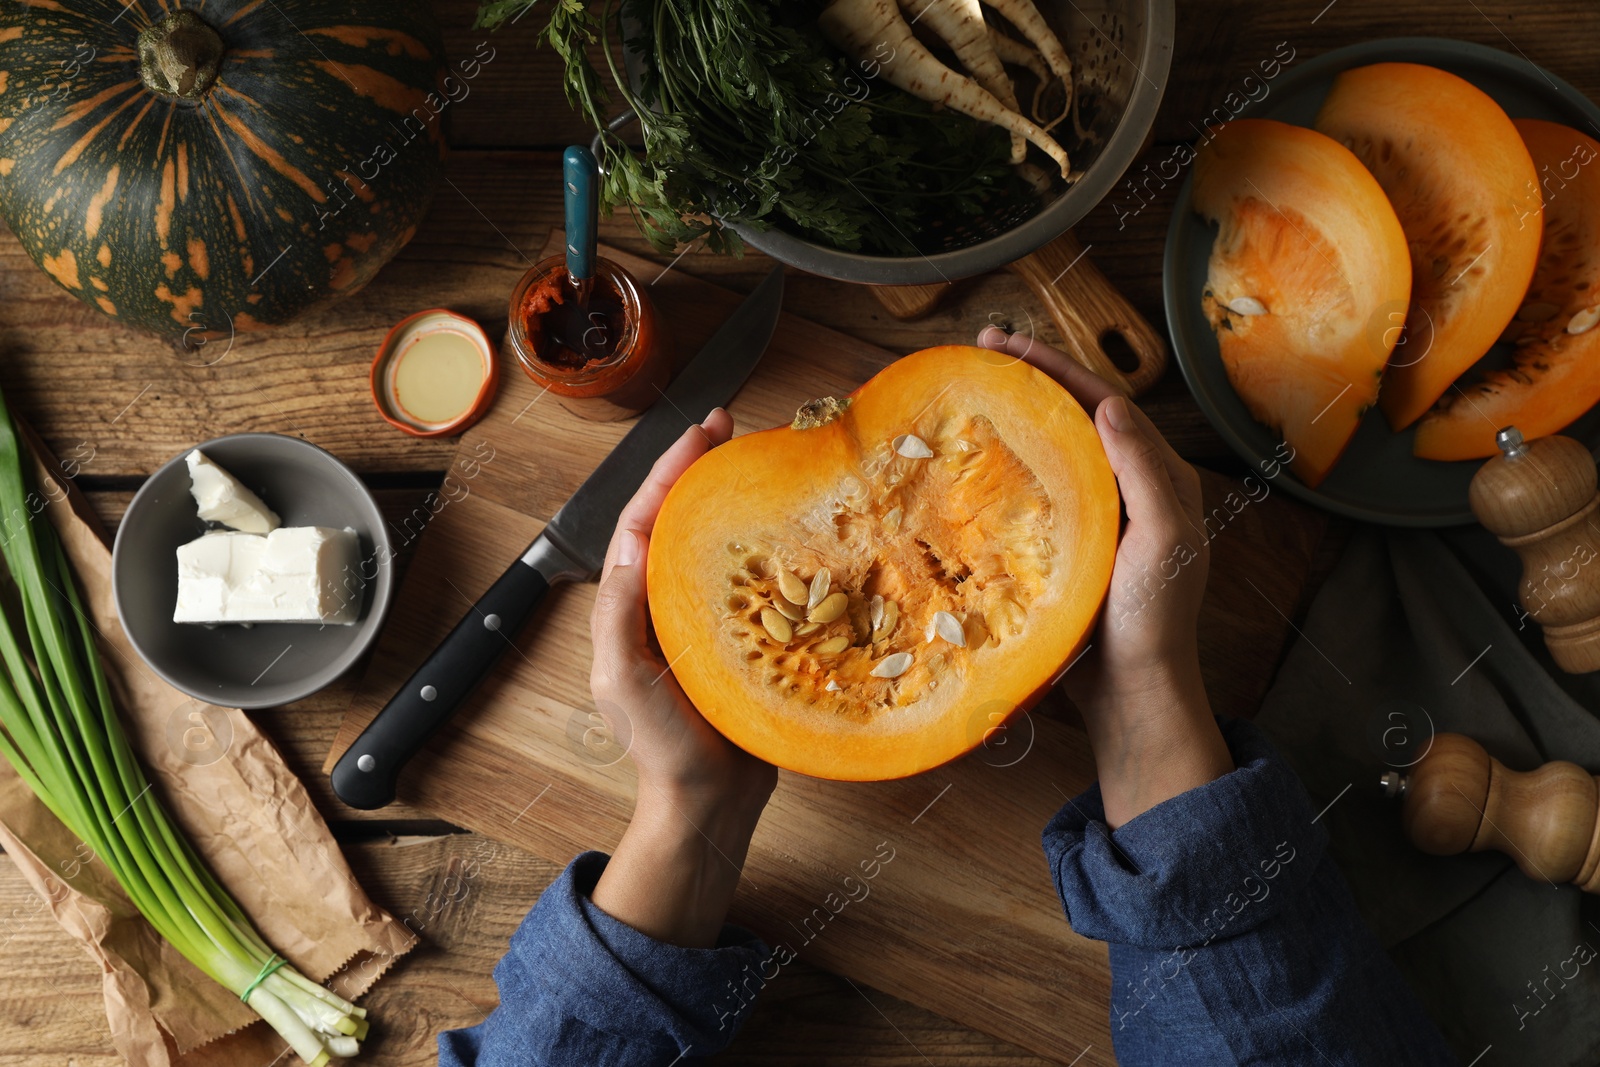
point(624, 382)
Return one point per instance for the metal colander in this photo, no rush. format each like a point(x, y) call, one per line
point(1121, 52)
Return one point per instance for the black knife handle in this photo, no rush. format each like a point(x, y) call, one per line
point(366, 774)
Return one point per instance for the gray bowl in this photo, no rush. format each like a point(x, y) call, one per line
point(1121, 52)
point(1377, 479)
point(269, 663)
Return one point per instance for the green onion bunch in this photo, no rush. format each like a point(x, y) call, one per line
point(59, 729)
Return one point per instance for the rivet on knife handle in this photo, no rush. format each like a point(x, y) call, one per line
point(366, 774)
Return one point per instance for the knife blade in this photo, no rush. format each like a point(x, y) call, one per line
point(571, 547)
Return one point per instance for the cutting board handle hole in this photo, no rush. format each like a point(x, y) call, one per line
point(1117, 349)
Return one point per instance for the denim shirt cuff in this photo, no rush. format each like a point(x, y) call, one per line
point(1210, 863)
point(611, 977)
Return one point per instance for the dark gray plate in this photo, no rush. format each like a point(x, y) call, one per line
point(270, 663)
point(1377, 479)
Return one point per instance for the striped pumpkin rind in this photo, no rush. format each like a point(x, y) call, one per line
point(303, 169)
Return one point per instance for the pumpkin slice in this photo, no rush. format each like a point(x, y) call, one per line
point(868, 592)
point(1557, 373)
point(1466, 192)
point(1307, 281)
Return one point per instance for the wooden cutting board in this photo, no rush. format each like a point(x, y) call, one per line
point(960, 915)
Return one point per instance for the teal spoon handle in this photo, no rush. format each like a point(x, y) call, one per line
point(580, 186)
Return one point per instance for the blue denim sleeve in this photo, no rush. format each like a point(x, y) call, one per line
point(579, 987)
point(1233, 937)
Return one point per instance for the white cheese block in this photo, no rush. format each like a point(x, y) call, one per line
point(223, 498)
point(293, 574)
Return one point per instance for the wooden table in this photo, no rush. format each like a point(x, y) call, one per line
point(128, 403)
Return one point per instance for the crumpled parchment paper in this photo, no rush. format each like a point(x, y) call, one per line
point(248, 817)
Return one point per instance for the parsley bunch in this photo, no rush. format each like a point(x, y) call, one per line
point(749, 116)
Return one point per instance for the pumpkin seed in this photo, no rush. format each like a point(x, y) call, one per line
point(911, 446)
point(1584, 320)
point(786, 609)
point(877, 612)
point(821, 582)
point(807, 628)
point(1246, 305)
point(832, 646)
point(892, 666)
point(792, 588)
point(891, 519)
point(975, 630)
point(891, 615)
point(831, 607)
point(776, 625)
point(947, 626)
point(833, 686)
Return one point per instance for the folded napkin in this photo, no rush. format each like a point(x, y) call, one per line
point(1415, 633)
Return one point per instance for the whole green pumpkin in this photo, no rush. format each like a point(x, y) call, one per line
point(222, 167)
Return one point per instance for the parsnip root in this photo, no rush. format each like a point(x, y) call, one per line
point(959, 24)
point(1026, 18)
point(1017, 54)
point(863, 28)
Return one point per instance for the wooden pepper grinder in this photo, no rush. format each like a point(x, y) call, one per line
point(1459, 799)
point(1540, 499)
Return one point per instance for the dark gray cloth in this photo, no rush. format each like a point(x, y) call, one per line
point(1413, 633)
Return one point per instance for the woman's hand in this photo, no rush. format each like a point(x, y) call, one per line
point(1139, 686)
point(675, 870)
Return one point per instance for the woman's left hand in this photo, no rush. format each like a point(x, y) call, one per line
point(700, 796)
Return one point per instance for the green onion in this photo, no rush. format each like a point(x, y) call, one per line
point(59, 729)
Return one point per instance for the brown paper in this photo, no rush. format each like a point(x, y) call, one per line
point(248, 817)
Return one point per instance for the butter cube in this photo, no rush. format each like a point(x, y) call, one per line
point(223, 498)
point(293, 574)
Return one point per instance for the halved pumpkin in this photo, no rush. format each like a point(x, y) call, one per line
point(1466, 192)
point(868, 592)
point(1557, 373)
point(1307, 284)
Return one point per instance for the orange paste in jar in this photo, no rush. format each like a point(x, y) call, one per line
point(621, 363)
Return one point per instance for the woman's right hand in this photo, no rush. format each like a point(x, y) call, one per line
point(1138, 686)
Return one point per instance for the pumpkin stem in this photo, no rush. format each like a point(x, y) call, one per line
point(179, 56)
point(819, 412)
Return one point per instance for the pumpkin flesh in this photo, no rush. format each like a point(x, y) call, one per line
point(1465, 190)
point(1307, 282)
point(1556, 375)
point(1009, 528)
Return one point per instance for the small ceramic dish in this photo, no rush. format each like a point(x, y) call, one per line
point(265, 664)
point(444, 364)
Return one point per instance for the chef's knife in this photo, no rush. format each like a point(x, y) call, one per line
point(572, 547)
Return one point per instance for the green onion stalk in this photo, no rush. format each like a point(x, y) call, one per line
point(59, 729)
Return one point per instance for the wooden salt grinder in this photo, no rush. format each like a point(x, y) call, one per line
point(1539, 498)
point(1460, 799)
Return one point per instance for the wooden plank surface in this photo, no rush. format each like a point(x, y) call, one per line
point(129, 403)
point(968, 890)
